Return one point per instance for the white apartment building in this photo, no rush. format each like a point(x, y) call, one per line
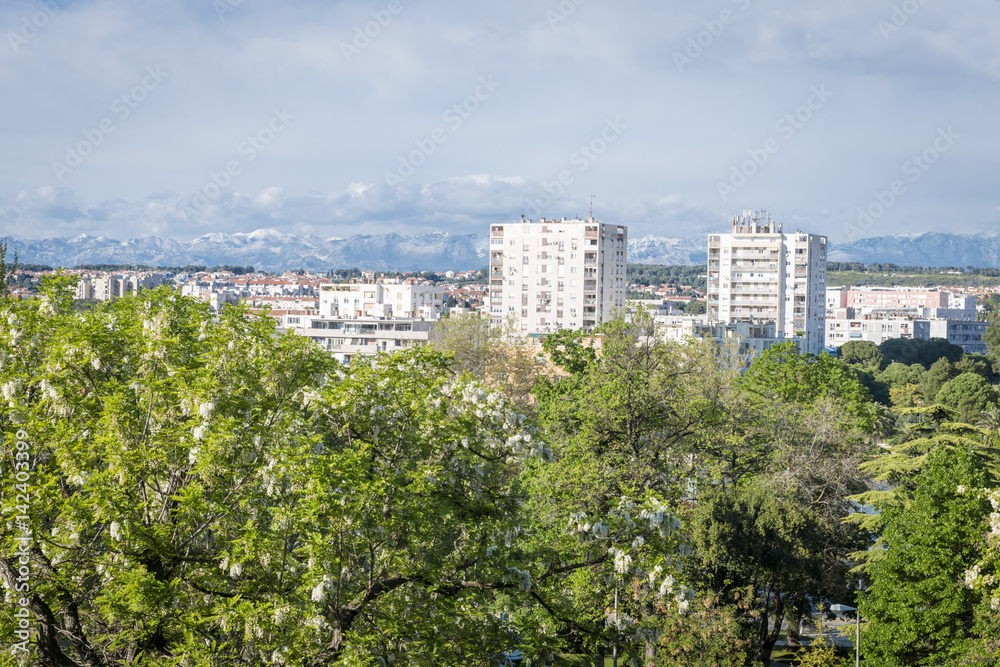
point(557, 274)
point(107, 287)
point(346, 337)
point(368, 318)
point(388, 298)
point(757, 273)
point(753, 338)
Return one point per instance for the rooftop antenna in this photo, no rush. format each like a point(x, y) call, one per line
point(592, 195)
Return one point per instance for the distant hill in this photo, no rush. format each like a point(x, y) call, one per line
point(270, 250)
point(931, 249)
point(267, 249)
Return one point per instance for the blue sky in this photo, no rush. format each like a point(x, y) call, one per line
point(179, 118)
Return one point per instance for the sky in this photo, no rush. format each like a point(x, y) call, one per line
point(178, 118)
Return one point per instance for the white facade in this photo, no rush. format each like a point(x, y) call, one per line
point(346, 337)
point(753, 338)
point(840, 330)
point(107, 287)
point(967, 335)
point(759, 274)
point(389, 298)
point(557, 274)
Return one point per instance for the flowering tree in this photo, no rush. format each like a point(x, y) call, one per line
point(200, 491)
point(622, 424)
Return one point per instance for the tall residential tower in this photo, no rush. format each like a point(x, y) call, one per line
point(557, 274)
point(759, 274)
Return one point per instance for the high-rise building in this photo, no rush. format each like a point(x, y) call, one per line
point(759, 274)
point(557, 274)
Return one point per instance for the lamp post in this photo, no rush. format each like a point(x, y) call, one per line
point(857, 632)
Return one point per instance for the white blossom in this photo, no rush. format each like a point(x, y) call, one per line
point(11, 389)
point(666, 587)
point(319, 593)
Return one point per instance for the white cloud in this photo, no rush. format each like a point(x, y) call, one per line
point(559, 84)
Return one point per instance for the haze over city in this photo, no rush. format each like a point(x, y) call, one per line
point(183, 118)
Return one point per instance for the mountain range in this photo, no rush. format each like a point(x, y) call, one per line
point(267, 249)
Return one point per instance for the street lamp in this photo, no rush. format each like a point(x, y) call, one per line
point(857, 632)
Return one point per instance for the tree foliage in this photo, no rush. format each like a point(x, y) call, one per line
point(862, 352)
point(206, 492)
point(918, 610)
point(968, 394)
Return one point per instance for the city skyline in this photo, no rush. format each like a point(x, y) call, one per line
point(228, 116)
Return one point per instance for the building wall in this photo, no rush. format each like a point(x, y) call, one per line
point(346, 337)
point(759, 274)
point(557, 274)
point(389, 299)
point(967, 335)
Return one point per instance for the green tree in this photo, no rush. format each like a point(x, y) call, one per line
point(498, 355)
point(918, 611)
point(203, 491)
point(969, 394)
point(774, 538)
point(630, 427)
point(978, 364)
point(6, 270)
point(864, 353)
point(695, 307)
point(936, 376)
point(897, 374)
point(768, 550)
point(893, 470)
point(923, 352)
point(783, 373)
point(992, 337)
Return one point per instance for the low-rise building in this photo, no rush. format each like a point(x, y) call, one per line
point(753, 337)
point(346, 337)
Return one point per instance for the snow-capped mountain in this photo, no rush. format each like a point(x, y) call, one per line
point(266, 249)
point(272, 250)
point(930, 249)
point(665, 250)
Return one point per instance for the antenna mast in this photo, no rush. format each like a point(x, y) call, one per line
point(592, 195)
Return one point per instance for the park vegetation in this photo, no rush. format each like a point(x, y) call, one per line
point(200, 490)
